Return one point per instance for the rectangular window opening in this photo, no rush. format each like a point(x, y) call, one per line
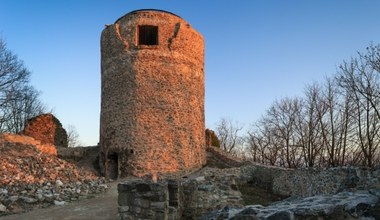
point(148, 35)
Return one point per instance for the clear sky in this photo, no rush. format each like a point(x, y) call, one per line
point(256, 50)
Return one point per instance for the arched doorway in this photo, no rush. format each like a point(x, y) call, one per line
point(112, 167)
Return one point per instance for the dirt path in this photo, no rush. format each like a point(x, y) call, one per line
point(102, 207)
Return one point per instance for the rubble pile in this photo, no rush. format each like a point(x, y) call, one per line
point(30, 178)
point(26, 140)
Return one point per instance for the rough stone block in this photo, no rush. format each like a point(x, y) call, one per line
point(158, 205)
point(143, 203)
point(143, 187)
point(123, 209)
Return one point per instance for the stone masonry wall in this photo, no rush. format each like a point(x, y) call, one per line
point(143, 200)
point(186, 198)
point(311, 181)
point(47, 129)
point(214, 194)
point(152, 104)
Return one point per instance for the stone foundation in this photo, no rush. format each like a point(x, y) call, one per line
point(187, 198)
point(143, 200)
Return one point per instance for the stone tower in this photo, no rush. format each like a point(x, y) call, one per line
point(152, 96)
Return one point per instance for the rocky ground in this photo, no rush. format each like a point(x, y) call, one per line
point(30, 178)
point(336, 194)
point(345, 205)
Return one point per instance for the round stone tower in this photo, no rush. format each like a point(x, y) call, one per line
point(152, 96)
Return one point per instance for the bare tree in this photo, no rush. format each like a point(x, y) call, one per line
point(282, 117)
point(12, 72)
point(308, 126)
point(73, 139)
point(20, 109)
point(334, 119)
point(336, 123)
point(228, 134)
point(360, 79)
point(259, 141)
point(372, 56)
point(18, 100)
point(254, 142)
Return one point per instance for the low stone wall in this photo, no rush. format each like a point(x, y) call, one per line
point(76, 153)
point(187, 198)
point(311, 181)
point(212, 189)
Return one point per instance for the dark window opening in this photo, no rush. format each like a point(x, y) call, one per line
point(148, 35)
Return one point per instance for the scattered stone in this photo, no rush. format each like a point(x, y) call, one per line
point(123, 209)
point(13, 199)
point(58, 183)
point(3, 191)
point(3, 208)
point(200, 178)
point(59, 202)
point(28, 200)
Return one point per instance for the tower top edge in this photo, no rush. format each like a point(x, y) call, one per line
point(146, 10)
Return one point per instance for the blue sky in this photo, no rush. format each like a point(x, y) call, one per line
point(256, 50)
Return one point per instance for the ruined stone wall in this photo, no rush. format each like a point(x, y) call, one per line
point(211, 193)
point(152, 103)
point(187, 198)
point(311, 181)
point(47, 129)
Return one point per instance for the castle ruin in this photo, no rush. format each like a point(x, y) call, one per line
point(47, 129)
point(152, 96)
